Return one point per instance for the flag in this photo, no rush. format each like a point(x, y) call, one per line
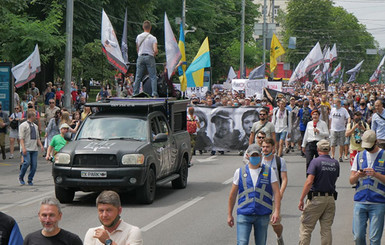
point(295, 76)
point(313, 59)
point(376, 74)
point(26, 70)
point(341, 77)
point(276, 50)
point(195, 71)
point(353, 72)
point(317, 71)
point(327, 57)
point(258, 72)
point(124, 46)
point(336, 71)
point(333, 53)
point(110, 45)
point(173, 54)
point(182, 68)
point(231, 75)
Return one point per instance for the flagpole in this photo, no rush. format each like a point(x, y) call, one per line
point(68, 54)
point(264, 33)
point(242, 41)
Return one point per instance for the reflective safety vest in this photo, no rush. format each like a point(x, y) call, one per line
point(258, 201)
point(370, 189)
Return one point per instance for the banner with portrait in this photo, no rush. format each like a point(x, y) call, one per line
point(225, 128)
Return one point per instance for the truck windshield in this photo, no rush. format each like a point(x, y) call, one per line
point(110, 128)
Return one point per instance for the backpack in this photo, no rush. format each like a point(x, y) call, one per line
point(287, 116)
point(192, 125)
point(14, 124)
point(306, 116)
point(278, 161)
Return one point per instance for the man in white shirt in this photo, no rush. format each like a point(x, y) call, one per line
point(147, 48)
point(113, 231)
point(281, 122)
point(339, 117)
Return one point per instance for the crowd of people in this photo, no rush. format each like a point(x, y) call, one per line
point(315, 122)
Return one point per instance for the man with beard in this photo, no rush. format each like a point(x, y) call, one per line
point(113, 231)
point(225, 137)
point(50, 214)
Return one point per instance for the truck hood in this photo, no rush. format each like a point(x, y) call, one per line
point(103, 147)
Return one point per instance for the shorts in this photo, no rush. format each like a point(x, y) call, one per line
point(337, 138)
point(13, 133)
point(2, 139)
point(278, 221)
point(347, 140)
point(280, 136)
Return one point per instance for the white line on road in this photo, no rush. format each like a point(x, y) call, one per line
point(227, 181)
point(208, 159)
point(169, 215)
point(27, 201)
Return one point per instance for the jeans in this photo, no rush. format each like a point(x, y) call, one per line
point(29, 159)
point(244, 225)
point(375, 213)
point(146, 62)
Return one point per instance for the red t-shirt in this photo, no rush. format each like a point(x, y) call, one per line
point(59, 94)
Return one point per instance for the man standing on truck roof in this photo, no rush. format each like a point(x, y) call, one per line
point(147, 48)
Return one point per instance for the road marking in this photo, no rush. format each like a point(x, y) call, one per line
point(209, 159)
point(27, 201)
point(169, 215)
point(5, 164)
point(227, 181)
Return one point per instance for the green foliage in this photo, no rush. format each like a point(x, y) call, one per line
point(318, 20)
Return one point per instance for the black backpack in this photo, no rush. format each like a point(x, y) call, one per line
point(306, 116)
point(278, 161)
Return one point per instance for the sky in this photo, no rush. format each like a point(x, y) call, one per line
point(370, 13)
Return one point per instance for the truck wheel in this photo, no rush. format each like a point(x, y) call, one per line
point(146, 193)
point(181, 182)
point(64, 195)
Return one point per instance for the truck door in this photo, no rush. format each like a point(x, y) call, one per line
point(159, 148)
point(170, 145)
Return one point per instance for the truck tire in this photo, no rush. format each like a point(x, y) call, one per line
point(146, 193)
point(181, 182)
point(64, 195)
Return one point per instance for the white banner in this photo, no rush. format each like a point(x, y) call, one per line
point(199, 92)
point(225, 128)
point(26, 70)
point(275, 85)
point(255, 87)
point(238, 84)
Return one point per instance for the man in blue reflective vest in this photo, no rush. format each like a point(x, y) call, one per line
point(255, 184)
point(368, 172)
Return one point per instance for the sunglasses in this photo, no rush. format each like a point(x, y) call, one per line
point(17, 108)
point(260, 137)
point(262, 114)
point(52, 102)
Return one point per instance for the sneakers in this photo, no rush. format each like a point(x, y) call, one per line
point(287, 150)
point(346, 158)
point(341, 159)
point(11, 156)
point(280, 241)
point(30, 183)
point(21, 181)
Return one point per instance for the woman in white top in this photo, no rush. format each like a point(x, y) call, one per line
point(14, 131)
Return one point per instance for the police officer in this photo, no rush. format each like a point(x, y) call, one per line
point(368, 172)
point(255, 185)
point(319, 187)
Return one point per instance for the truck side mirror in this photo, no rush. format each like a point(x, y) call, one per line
point(162, 137)
point(68, 136)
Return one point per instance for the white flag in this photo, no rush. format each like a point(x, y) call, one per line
point(231, 75)
point(353, 72)
point(314, 58)
point(333, 53)
point(295, 76)
point(376, 74)
point(111, 45)
point(173, 54)
point(26, 71)
point(336, 71)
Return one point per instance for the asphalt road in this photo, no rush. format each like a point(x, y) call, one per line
point(195, 215)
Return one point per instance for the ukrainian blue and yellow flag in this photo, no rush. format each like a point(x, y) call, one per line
point(195, 71)
point(182, 68)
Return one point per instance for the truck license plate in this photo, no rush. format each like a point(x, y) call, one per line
point(93, 174)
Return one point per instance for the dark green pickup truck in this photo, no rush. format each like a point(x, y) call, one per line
point(127, 144)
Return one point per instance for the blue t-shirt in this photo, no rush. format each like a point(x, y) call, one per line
point(326, 171)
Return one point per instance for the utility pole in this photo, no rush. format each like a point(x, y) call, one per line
point(184, 13)
point(272, 11)
point(68, 54)
point(264, 32)
point(241, 68)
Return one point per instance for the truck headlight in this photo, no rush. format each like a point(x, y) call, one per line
point(62, 158)
point(132, 159)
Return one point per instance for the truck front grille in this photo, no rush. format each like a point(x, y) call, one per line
point(98, 160)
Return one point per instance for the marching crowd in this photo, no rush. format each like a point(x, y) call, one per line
point(314, 121)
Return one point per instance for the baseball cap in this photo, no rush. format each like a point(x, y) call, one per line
point(323, 145)
point(64, 125)
point(292, 98)
point(313, 111)
point(221, 114)
point(368, 139)
point(254, 148)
